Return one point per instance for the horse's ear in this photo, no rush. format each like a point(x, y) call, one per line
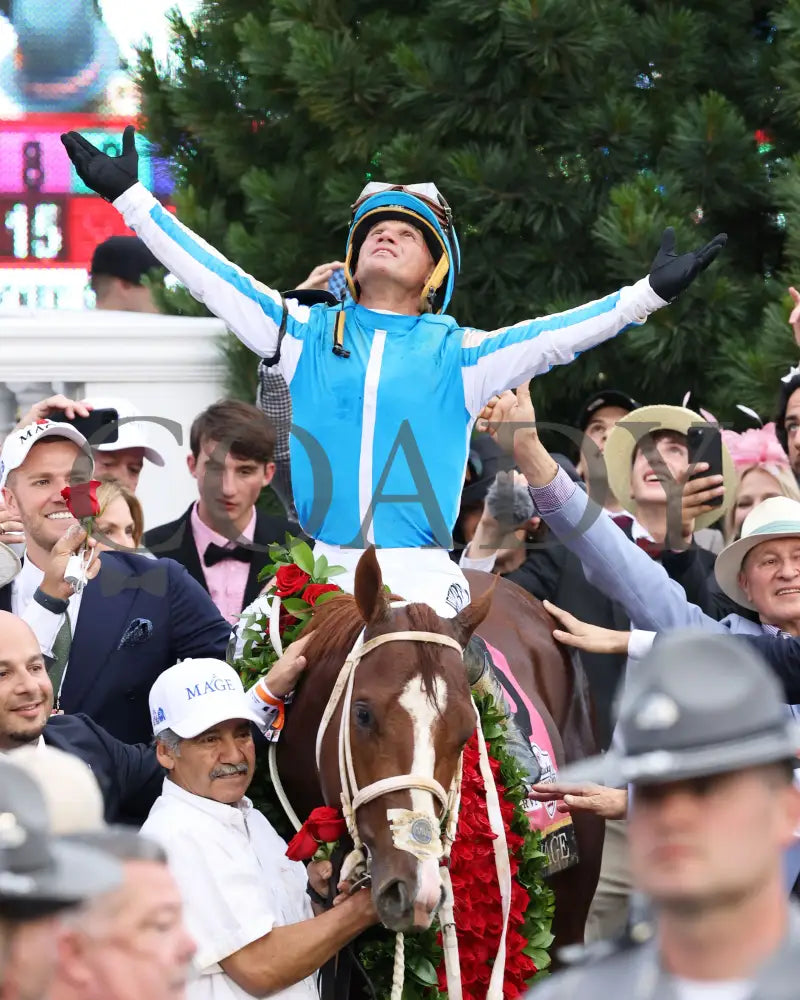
point(371, 598)
point(470, 617)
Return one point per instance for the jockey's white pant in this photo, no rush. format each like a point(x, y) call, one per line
point(427, 576)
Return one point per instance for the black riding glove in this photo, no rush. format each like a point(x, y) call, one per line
point(672, 272)
point(109, 176)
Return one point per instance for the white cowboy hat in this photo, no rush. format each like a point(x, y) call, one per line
point(626, 434)
point(9, 564)
point(778, 517)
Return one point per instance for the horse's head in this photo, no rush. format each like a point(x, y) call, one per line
point(408, 715)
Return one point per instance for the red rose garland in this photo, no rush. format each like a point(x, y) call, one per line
point(290, 580)
point(478, 909)
point(314, 590)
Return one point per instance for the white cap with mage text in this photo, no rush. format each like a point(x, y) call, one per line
point(131, 433)
point(20, 441)
point(195, 695)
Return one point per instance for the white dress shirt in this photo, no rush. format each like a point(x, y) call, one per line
point(44, 623)
point(235, 880)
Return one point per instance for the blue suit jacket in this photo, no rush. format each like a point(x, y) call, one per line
point(783, 655)
point(130, 777)
point(114, 661)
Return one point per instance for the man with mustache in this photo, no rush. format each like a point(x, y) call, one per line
point(245, 902)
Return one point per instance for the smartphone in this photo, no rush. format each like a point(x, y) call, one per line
point(704, 443)
point(100, 427)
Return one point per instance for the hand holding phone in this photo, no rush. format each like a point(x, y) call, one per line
point(99, 427)
point(704, 444)
point(45, 407)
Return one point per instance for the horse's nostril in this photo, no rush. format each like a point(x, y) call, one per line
point(393, 901)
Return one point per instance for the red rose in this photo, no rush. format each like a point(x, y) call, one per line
point(290, 580)
point(81, 499)
point(313, 590)
point(302, 846)
point(325, 825)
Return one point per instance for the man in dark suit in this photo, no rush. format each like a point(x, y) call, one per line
point(105, 645)
point(222, 538)
point(129, 777)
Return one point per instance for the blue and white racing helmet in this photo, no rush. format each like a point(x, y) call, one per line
point(423, 207)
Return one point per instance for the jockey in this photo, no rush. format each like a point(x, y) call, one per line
point(386, 388)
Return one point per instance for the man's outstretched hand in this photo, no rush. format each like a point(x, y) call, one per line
point(672, 272)
point(109, 176)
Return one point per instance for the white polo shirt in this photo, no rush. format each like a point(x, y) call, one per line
point(235, 880)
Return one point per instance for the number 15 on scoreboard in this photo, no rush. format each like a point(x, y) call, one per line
point(32, 231)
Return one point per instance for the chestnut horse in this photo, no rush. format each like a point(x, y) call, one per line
point(411, 711)
point(411, 714)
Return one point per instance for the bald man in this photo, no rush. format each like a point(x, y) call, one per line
point(130, 777)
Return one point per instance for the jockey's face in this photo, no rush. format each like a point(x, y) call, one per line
point(394, 251)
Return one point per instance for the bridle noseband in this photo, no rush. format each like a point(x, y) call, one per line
point(353, 797)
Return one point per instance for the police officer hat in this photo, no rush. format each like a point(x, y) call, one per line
point(700, 704)
point(41, 874)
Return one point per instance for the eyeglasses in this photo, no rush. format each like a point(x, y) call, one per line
point(427, 192)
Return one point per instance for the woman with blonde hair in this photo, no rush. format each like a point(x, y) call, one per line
point(120, 523)
point(763, 471)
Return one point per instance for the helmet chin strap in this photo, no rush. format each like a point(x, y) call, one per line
point(434, 283)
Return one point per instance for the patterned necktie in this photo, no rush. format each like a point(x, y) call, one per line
point(58, 663)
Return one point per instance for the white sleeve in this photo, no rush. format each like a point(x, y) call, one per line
point(251, 309)
point(492, 361)
point(483, 563)
point(640, 643)
point(44, 624)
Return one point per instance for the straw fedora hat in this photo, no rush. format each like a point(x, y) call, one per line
point(627, 433)
point(778, 517)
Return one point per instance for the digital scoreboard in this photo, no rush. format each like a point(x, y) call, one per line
point(50, 222)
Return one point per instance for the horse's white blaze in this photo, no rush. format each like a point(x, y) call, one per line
point(424, 712)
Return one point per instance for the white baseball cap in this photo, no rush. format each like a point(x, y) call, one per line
point(131, 433)
point(195, 695)
point(20, 441)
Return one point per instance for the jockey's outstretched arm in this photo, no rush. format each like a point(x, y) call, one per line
point(492, 361)
point(251, 309)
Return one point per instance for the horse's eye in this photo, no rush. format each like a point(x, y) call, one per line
point(363, 716)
